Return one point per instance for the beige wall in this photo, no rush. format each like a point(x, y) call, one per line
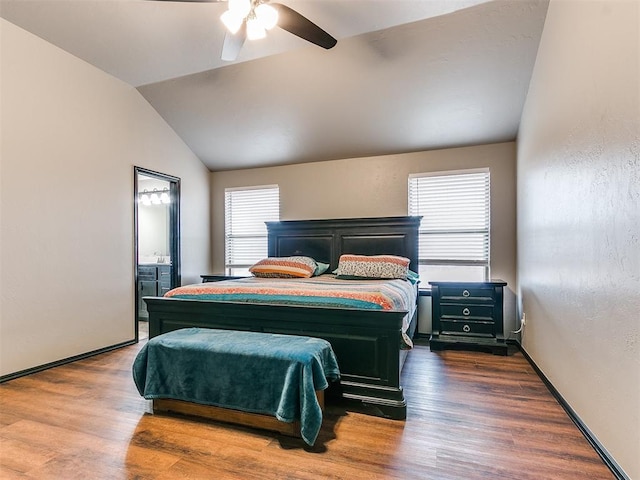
point(70, 137)
point(377, 187)
point(579, 217)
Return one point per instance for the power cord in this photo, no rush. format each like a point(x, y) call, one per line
point(523, 321)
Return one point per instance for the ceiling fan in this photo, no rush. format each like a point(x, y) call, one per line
point(252, 18)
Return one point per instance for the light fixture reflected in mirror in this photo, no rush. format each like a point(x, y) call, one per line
point(154, 197)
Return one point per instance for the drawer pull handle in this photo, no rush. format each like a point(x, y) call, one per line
point(466, 312)
point(465, 293)
point(466, 329)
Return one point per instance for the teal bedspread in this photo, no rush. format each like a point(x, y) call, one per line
point(254, 372)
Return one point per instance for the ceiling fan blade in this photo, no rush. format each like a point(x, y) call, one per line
point(233, 43)
point(293, 22)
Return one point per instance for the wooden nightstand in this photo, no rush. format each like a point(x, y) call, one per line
point(468, 315)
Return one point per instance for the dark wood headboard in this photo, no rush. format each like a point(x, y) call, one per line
point(326, 240)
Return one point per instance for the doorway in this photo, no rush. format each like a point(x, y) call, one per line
point(157, 240)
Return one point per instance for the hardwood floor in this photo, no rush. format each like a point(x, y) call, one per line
point(471, 415)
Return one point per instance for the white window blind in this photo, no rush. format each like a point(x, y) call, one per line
point(245, 212)
point(455, 226)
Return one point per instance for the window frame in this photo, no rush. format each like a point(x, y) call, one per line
point(230, 267)
point(414, 208)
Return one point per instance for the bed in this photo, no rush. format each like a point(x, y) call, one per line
point(368, 343)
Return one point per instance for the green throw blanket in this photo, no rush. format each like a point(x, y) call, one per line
point(254, 372)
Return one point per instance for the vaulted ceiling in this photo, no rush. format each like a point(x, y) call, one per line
point(406, 75)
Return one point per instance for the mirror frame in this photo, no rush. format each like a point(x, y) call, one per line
point(174, 230)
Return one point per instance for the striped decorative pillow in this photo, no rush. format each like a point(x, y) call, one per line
point(375, 266)
point(284, 267)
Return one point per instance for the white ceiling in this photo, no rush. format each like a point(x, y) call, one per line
point(406, 75)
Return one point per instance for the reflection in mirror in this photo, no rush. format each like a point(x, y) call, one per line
point(156, 239)
point(153, 220)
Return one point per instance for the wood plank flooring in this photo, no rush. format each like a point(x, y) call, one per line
point(471, 415)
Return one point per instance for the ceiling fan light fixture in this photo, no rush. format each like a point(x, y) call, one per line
point(255, 29)
point(250, 20)
point(241, 8)
point(232, 21)
point(267, 15)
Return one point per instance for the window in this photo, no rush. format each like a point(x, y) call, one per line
point(454, 231)
point(245, 235)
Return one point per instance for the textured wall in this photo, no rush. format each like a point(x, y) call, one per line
point(579, 220)
point(70, 137)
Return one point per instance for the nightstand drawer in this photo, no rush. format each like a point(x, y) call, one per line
point(467, 327)
point(467, 293)
point(466, 311)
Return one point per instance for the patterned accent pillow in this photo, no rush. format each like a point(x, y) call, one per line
point(375, 266)
point(284, 267)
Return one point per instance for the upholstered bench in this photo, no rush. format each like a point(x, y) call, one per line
point(261, 380)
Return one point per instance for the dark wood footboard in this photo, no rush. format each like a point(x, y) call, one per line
point(366, 343)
